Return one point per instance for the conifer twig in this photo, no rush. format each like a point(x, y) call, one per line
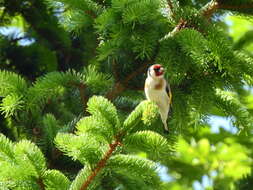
point(84, 99)
point(206, 11)
point(120, 86)
point(214, 5)
point(101, 164)
point(171, 7)
point(209, 8)
point(114, 70)
point(246, 6)
point(41, 184)
point(91, 13)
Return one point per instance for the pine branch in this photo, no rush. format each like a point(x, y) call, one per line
point(101, 164)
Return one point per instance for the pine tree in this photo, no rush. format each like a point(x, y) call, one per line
point(73, 104)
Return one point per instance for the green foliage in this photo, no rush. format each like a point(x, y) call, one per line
point(101, 107)
point(150, 142)
point(6, 148)
point(50, 86)
point(11, 104)
point(227, 101)
point(96, 133)
point(136, 167)
point(54, 180)
point(130, 25)
point(146, 111)
point(24, 167)
point(228, 162)
point(98, 82)
point(81, 177)
point(11, 83)
point(85, 148)
point(50, 129)
point(32, 154)
point(95, 125)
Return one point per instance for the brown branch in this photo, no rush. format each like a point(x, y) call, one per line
point(114, 70)
point(81, 87)
point(214, 5)
point(116, 90)
point(101, 164)
point(41, 184)
point(246, 6)
point(91, 13)
point(206, 11)
point(170, 4)
point(171, 7)
point(84, 99)
point(209, 9)
point(120, 86)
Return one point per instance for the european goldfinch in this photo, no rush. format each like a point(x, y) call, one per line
point(158, 90)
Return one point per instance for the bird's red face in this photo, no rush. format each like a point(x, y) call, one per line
point(158, 69)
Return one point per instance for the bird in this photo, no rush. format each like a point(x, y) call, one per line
point(158, 90)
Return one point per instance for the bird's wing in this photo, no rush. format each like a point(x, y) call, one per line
point(168, 90)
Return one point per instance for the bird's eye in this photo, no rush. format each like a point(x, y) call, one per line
point(156, 69)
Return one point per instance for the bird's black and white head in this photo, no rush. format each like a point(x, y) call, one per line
point(156, 71)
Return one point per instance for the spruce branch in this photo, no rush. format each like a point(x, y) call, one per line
point(170, 4)
point(171, 7)
point(120, 86)
point(101, 164)
point(41, 184)
point(181, 25)
point(84, 98)
point(246, 6)
point(114, 70)
point(91, 14)
point(206, 11)
point(209, 9)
